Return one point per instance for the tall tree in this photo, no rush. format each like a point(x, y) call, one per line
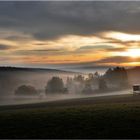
point(55, 85)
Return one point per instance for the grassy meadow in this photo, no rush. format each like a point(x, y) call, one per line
point(103, 120)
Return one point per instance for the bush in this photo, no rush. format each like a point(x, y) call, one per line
point(26, 90)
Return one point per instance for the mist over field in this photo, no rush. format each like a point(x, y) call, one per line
point(11, 79)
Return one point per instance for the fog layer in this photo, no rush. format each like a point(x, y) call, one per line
point(10, 80)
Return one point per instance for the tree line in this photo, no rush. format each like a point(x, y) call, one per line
point(113, 79)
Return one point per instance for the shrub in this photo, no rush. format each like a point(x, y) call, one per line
point(26, 90)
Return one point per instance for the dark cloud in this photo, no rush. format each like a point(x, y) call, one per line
point(115, 49)
point(106, 48)
point(4, 47)
point(92, 47)
point(48, 20)
point(117, 60)
point(39, 52)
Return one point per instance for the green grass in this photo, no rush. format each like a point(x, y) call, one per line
point(95, 121)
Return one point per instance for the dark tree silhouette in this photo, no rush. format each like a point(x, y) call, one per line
point(117, 76)
point(79, 78)
point(26, 90)
point(87, 88)
point(96, 75)
point(69, 81)
point(102, 84)
point(55, 85)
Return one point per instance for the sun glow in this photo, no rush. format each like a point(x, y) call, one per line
point(134, 53)
point(122, 36)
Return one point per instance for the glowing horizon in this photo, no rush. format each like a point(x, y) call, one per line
point(56, 38)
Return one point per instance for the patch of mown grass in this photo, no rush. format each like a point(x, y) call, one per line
point(97, 121)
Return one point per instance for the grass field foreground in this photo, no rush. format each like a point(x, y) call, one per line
point(91, 121)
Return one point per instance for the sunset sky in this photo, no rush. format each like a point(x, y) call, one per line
point(82, 33)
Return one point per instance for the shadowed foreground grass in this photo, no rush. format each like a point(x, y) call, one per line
point(91, 121)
